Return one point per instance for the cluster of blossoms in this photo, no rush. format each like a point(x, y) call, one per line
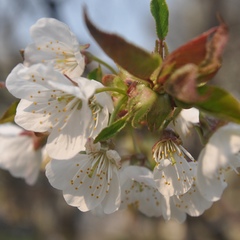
point(67, 124)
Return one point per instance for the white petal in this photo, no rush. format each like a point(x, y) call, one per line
point(171, 212)
point(197, 204)
point(217, 156)
point(70, 177)
point(19, 157)
point(28, 117)
point(227, 139)
point(84, 186)
point(87, 86)
point(112, 199)
point(54, 41)
point(10, 129)
point(210, 183)
point(174, 179)
point(58, 173)
point(139, 190)
point(192, 202)
point(32, 83)
point(51, 28)
point(185, 121)
point(71, 134)
point(190, 115)
point(114, 156)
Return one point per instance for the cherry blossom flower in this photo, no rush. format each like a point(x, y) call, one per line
point(185, 121)
point(139, 190)
point(221, 154)
point(88, 180)
point(171, 212)
point(192, 202)
point(53, 104)
point(20, 154)
point(173, 174)
point(55, 44)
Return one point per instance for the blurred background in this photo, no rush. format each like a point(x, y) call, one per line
point(40, 212)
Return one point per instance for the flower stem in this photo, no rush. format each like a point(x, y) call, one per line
point(110, 89)
point(94, 58)
point(117, 108)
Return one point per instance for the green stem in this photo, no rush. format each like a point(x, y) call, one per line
point(94, 58)
point(134, 141)
point(168, 120)
point(110, 89)
point(200, 134)
point(165, 124)
point(116, 109)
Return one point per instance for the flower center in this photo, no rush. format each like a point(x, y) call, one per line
point(96, 109)
point(166, 150)
point(70, 101)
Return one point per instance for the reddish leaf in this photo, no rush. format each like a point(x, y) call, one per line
point(204, 51)
point(130, 57)
point(2, 85)
point(192, 52)
point(182, 84)
point(212, 61)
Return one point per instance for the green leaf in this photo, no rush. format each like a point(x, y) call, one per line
point(133, 59)
point(159, 10)
point(9, 115)
point(96, 74)
point(111, 130)
point(219, 103)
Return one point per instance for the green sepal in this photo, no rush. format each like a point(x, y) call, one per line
point(219, 103)
point(159, 10)
point(133, 59)
point(111, 130)
point(141, 100)
point(128, 77)
point(160, 111)
point(96, 74)
point(9, 115)
point(114, 81)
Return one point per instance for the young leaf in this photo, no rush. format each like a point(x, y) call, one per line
point(219, 103)
point(111, 130)
point(214, 48)
point(130, 57)
point(9, 115)
point(160, 111)
point(159, 10)
point(182, 84)
point(141, 99)
point(193, 51)
point(96, 74)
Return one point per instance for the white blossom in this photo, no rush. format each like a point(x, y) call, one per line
point(19, 153)
point(53, 104)
point(192, 202)
point(55, 44)
point(173, 174)
point(185, 120)
point(139, 190)
point(171, 212)
point(221, 153)
point(88, 180)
